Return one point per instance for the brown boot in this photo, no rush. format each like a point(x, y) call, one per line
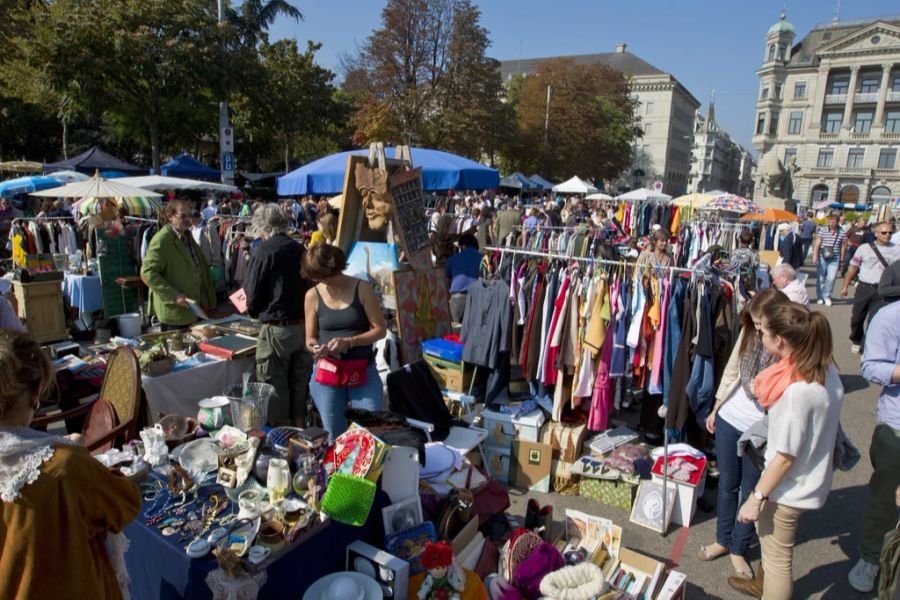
point(748, 587)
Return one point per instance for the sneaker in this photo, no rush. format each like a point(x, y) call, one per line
point(827, 301)
point(862, 576)
point(820, 301)
point(854, 348)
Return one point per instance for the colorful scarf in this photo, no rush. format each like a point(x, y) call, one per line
point(771, 382)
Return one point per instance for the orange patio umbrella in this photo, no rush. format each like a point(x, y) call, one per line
point(771, 215)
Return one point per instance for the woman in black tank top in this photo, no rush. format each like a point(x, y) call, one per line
point(343, 321)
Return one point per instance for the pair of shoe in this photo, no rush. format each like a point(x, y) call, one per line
point(539, 519)
point(820, 301)
point(752, 587)
point(862, 576)
point(827, 301)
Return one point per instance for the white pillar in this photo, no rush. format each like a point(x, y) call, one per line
point(882, 93)
point(851, 91)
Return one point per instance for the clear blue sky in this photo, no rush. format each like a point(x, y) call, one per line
point(707, 45)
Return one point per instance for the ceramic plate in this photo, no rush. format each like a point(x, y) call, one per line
point(198, 456)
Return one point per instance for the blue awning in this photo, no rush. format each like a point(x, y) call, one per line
point(188, 167)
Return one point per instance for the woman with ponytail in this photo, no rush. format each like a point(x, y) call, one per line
point(735, 411)
point(802, 394)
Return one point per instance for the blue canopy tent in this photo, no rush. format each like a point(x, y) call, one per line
point(27, 185)
point(547, 185)
point(440, 171)
point(517, 181)
point(186, 166)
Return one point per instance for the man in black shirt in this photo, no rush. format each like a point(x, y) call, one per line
point(275, 293)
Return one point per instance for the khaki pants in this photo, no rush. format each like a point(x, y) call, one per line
point(283, 362)
point(777, 529)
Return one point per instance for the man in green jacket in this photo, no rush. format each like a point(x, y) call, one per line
point(175, 270)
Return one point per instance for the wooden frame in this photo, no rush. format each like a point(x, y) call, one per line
point(351, 216)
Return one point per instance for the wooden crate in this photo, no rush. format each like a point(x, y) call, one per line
point(451, 376)
point(40, 307)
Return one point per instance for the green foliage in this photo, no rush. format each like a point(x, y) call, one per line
point(590, 129)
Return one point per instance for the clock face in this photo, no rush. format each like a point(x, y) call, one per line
point(365, 566)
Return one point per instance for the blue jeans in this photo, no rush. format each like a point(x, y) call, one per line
point(332, 401)
point(826, 272)
point(737, 478)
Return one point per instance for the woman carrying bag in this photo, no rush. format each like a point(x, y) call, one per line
point(343, 321)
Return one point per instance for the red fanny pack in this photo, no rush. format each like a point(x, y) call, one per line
point(341, 373)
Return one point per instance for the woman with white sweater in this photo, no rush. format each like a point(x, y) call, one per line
point(802, 394)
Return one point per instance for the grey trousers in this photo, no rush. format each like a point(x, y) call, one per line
point(283, 362)
point(457, 307)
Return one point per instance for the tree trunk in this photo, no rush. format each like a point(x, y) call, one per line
point(65, 139)
point(153, 122)
point(287, 155)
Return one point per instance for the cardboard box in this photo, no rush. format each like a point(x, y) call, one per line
point(686, 496)
point(646, 574)
point(503, 428)
point(498, 462)
point(530, 464)
point(451, 376)
point(566, 439)
point(617, 493)
point(364, 558)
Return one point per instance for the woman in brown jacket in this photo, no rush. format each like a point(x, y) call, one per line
point(57, 501)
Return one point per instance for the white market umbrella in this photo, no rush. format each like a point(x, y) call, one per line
point(69, 176)
point(97, 187)
point(598, 196)
point(643, 195)
point(159, 182)
point(575, 185)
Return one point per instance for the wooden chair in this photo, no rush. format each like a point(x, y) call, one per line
point(120, 390)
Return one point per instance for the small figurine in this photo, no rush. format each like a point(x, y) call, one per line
point(445, 580)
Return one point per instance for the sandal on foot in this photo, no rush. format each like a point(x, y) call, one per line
point(704, 554)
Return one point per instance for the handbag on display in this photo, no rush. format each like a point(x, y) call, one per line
point(341, 373)
point(490, 499)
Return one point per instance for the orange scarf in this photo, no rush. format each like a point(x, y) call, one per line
point(771, 382)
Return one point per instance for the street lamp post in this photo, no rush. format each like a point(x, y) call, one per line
point(226, 133)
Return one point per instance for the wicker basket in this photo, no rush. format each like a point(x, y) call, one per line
point(159, 367)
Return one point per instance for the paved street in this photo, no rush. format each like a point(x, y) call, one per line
point(827, 539)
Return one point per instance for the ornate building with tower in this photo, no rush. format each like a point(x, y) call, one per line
point(828, 113)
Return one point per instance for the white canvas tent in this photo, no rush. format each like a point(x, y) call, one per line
point(576, 185)
point(598, 196)
point(643, 194)
point(160, 183)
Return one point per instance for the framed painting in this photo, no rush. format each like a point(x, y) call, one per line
point(423, 308)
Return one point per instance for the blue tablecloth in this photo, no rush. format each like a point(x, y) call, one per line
point(83, 292)
point(160, 569)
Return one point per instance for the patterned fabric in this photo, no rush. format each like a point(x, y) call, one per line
point(752, 362)
point(119, 386)
point(22, 452)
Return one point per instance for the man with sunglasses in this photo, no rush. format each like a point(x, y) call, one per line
point(869, 262)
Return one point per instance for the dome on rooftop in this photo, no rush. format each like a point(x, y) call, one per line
point(782, 26)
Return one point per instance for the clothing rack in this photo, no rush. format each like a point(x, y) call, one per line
point(42, 219)
point(602, 261)
point(142, 220)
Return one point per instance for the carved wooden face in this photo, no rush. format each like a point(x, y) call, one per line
point(377, 210)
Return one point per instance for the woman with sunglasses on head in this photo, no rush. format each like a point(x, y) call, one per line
point(802, 395)
point(735, 411)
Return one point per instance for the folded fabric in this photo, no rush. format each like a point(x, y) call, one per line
point(577, 582)
point(528, 576)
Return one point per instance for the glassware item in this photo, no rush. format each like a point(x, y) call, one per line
point(305, 474)
point(293, 510)
point(248, 503)
point(278, 481)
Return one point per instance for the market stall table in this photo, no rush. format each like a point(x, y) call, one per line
point(159, 569)
point(179, 391)
point(83, 292)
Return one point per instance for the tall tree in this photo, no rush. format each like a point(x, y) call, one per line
point(589, 131)
point(405, 62)
point(256, 16)
point(475, 118)
point(135, 58)
point(293, 107)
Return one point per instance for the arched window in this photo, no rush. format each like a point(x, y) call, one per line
point(849, 194)
point(818, 193)
point(880, 195)
point(771, 55)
